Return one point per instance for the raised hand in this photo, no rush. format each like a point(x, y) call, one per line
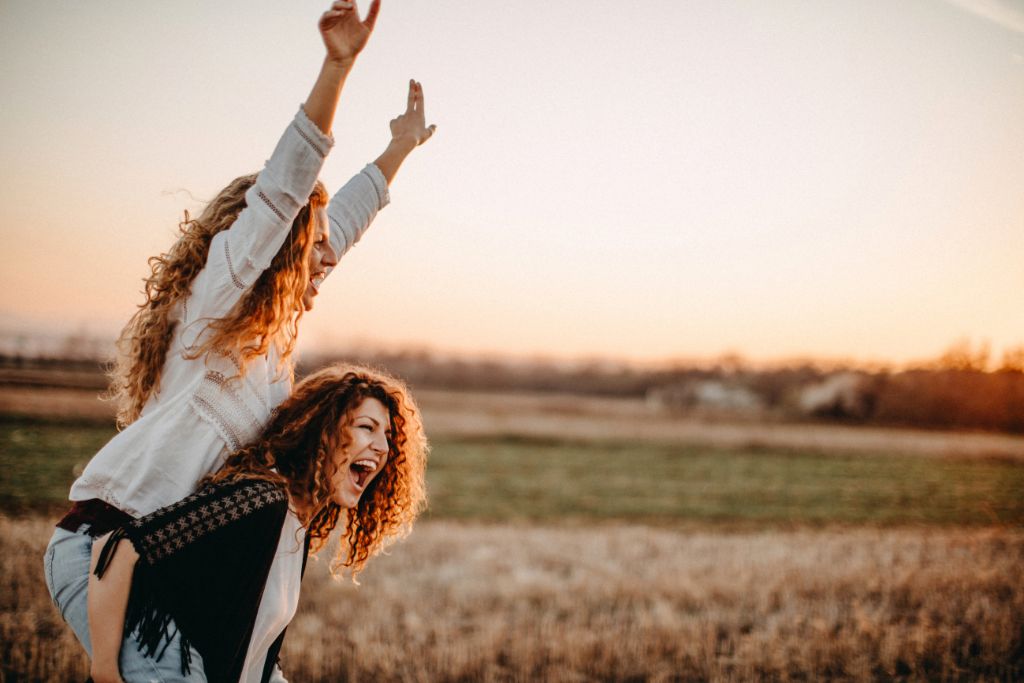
point(343, 33)
point(408, 131)
point(411, 125)
point(344, 36)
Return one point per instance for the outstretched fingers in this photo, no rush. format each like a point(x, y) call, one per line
point(417, 92)
point(415, 103)
point(410, 106)
point(371, 16)
point(411, 125)
point(332, 16)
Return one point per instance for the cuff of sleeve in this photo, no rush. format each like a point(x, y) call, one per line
point(312, 134)
point(337, 239)
point(380, 184)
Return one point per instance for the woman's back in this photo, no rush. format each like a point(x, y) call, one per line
point(204, 406)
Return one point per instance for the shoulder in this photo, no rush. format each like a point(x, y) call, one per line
point(242, 496)
point(249, 507)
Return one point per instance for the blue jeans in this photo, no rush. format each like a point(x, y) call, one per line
point(66, 564)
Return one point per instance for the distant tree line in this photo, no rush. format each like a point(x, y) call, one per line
point(964, 388)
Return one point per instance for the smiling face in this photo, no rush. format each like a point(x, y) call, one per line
point(362, 452)
point(321, 258)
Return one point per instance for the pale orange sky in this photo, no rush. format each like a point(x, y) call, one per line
point(658, 179)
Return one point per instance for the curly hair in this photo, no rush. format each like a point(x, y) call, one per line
point(268, 313)
point(297, 448)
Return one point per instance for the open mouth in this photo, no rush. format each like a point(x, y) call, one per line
point(316, 281)
point(362, 470)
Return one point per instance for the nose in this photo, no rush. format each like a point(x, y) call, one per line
point(380, 445)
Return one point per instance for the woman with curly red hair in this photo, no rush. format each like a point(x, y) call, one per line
point(206, 359)
point(348, 444)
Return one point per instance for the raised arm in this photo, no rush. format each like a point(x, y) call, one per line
point(239, 255)
point(354, 206)
point(344, 36)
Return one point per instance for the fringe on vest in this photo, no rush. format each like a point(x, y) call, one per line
point(145, 615)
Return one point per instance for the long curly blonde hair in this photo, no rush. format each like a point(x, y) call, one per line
point(297, 449)
point(267, 314)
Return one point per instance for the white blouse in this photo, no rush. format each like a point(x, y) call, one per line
point(203, 411)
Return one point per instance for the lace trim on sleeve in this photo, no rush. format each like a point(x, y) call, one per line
point(219, 403)
point(222, 425)
point(277, 211)
point(231, 357)
point(312, 143)
point(237, 363)
point(231, 267)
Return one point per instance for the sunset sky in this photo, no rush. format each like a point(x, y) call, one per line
point(638, 180)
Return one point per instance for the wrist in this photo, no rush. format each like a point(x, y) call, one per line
point(403, 144)
point(340, 64)
point(101, 674)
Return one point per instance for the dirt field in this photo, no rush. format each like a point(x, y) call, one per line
point(564, 417)
point(473, 602)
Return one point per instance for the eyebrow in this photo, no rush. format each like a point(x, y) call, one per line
point(375, 421)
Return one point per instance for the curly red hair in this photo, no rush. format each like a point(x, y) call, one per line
point(296, 448)
point(267, 314)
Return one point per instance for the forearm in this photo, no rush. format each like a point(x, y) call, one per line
point(323, 98)
point(344, 37)
point(107, 600)
point(354, 206)
point(391, 159)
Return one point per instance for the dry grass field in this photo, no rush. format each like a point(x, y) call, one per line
point(574, 539)
point(611, 602)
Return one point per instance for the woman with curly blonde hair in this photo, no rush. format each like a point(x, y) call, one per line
point(347, 443)
point(206, 359)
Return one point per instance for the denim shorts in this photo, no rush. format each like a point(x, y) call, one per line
point(66, 564)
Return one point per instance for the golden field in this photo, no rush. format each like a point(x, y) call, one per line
point(610, 602)
point(587, 539)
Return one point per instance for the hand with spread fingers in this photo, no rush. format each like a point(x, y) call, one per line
point(344, 33)
point(409, 130)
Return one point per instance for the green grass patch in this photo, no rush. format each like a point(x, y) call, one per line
point(544, 480)
point(39, 460)
point(517, 479)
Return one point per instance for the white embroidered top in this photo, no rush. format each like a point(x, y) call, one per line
point(202, 410)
